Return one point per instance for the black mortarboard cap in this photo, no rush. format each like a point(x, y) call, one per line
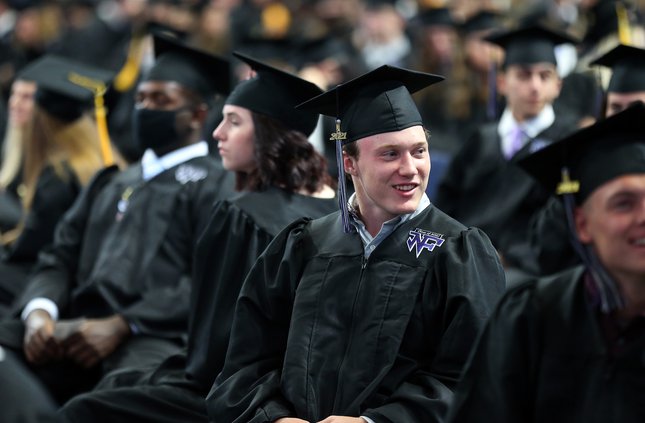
point(202, 72)
point(529, 44)
point(481, 21)
point(593, 155)
point(315, 50)
point(434, 16)
point(628, 68)
point(276, 93)
point(20, 5)
point(373, 103)
point(66, 87)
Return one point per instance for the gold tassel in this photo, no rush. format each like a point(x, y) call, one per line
point(129, 73)
point(624, 30)
point(99, 89)
point(566, 185)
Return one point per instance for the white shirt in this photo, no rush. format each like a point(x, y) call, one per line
point(531, 128)
point(151, 166)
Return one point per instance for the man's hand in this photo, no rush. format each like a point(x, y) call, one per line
point(95, 339)
point(39, 343)
point(290, 420)
point(342, 419)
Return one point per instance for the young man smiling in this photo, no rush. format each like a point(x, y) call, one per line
point(548, 227)
point(366, 315)
point(570, 347)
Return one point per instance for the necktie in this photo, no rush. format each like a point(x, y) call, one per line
point(517, 142)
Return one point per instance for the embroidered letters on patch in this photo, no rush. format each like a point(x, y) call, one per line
point(420, 240)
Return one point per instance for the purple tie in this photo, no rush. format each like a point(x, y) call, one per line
point(517, 142)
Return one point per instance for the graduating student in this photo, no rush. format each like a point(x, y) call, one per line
point(281, 178)
point(113, 290)
point(548, 230)
point(570, 347)
point(58, 155)
point(482, 186)
point(370, 311)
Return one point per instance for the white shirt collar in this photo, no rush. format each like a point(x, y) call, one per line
point(152, 165)
point(369, 242)
point(531, 128)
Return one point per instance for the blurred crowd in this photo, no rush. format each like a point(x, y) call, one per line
point(326, 41)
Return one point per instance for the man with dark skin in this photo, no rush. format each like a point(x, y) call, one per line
point(113, 289)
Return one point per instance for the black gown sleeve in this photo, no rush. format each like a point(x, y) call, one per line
point(459, 296)
point(57, 264)
point(498, 381)
point(53, 196)
point(226, 251)
point(248, 388)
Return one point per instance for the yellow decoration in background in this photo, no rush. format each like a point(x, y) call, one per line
point(129, 73)
point(624, 27)
point(276, 20)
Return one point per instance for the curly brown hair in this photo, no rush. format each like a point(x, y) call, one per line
point(285, 158)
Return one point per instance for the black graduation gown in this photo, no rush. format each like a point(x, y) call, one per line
point(318, 330)
point(133, 258)
point(483, 189)
point(551, 239)
point(238, 231)
point(52, 197)
point(543, 358)
point(22, 397)
point(10, 209)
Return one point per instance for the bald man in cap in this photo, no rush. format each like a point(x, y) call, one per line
point(548, 231)
point(570, 347)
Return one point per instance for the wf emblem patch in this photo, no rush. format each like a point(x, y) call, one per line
point(420, 240)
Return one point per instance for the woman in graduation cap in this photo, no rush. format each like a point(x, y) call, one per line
point(59, 156)
point(367, 314)
point(280, 178)
point(570, 347)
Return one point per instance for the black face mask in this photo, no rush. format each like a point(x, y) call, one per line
point(157, 129)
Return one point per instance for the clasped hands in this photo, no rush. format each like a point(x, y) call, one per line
point(84, 341)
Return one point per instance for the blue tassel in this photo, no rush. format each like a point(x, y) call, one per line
point(491, 106)
point(610, 298)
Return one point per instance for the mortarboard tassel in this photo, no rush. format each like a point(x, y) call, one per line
point(338, 136)
point(99, 89)
point(491, 106)
point(610, 298)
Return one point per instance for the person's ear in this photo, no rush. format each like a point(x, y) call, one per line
point(582, 225)
point(350, 164)
point(199, 116)
point(501, 82)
